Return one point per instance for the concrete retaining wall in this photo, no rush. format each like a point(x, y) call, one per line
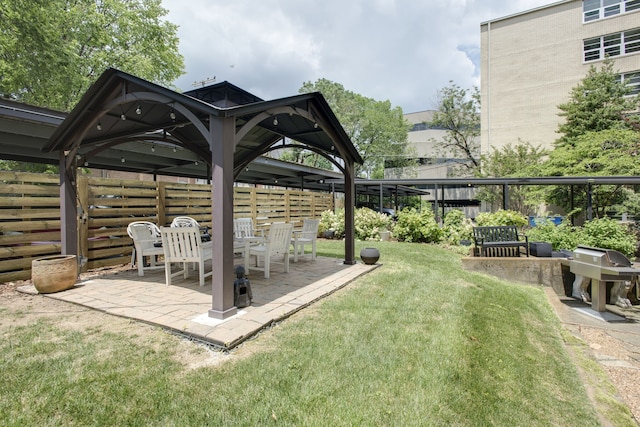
point(531, 270)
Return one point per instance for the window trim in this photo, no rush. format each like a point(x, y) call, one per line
point(605, 11)
point(613, 45)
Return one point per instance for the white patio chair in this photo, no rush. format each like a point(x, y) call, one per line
point(243, 227)
point(184, 221)
point(277, 243)
point(307, 236)
point(146, 239)
point(184, 245)
point(243, 231)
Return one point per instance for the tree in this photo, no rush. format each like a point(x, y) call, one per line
point(52, 50)
point(378, 131)
point(458, 114)
point(598, 140)
point(305, 157)
point(511, 161)
point(598, 102)
point(605, 153)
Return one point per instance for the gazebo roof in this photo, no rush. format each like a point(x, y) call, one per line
point(127, 123)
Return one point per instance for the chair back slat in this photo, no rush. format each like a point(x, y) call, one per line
point(181, 244)
point(280, 237)
point(243, 227)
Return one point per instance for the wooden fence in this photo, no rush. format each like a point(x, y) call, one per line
point(30, 214)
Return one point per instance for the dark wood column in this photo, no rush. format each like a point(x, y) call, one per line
point(349, 210)
point(221, 141)
point(68, 208)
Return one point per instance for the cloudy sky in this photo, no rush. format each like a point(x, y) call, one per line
point(403, 51)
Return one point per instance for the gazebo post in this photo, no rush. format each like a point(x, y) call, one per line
point(349, 209)
point(221, 141)
point(68, 207)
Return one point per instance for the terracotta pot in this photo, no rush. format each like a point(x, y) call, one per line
point(369, 255)
point(54, 273)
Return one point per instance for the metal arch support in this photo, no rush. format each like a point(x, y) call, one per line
point(240, 168)
point(160, 99)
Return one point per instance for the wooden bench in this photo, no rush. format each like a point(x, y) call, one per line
point(499, 241)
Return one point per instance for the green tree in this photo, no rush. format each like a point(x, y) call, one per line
point(52, 50)
point(598, 102)
point(605, 153)
point(305, 157)
point(377, 130)
point(513, 161)
point(458, 114)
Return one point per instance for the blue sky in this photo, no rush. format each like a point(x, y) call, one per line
point(403, 51)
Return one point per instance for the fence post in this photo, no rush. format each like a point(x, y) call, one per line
point(161, 188)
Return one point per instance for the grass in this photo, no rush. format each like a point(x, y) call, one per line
point(418, 341)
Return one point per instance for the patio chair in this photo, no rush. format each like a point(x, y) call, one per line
point(184, 245)
point(277, 243)
point(146, 243)
point(243, 231)
point(306, 236)
point(243, 227)
point(184, 221)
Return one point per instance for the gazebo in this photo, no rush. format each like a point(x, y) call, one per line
point(223, 127)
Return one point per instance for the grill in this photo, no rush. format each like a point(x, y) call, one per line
point(601, 265)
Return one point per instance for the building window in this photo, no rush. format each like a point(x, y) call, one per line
point(593, 10)
point(611, 45)
point(633, 82)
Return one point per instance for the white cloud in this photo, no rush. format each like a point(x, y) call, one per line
point(401, 50)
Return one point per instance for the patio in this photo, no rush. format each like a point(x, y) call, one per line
point(183, 306)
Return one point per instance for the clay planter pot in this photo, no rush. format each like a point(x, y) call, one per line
point(54, 273)
point(369, 255)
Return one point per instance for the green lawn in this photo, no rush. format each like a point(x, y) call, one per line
point(418, 341)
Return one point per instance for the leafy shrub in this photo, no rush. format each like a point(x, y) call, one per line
point(610, 234)
point(369, 223)
point(457, 227)
point(414, 226)
point(330, 220)
point(603, 233)
point(501, 217)
point(562, 236)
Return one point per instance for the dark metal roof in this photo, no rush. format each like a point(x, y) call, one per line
point(131, 111)
point(25, 129)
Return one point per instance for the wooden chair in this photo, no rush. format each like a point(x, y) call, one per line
point(146, 243)
point(244, 232)
point(243, 227)
point(184, 245)
point(307, 236)
point(277, 243)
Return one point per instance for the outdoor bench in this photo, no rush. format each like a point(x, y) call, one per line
point(499, 241)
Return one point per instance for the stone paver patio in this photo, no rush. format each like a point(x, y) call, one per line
point(183, 307)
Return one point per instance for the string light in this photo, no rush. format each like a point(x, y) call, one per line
point(99, 126)
point(122, 160)
point(275, 121)
point(138, 110)
point(153, 147)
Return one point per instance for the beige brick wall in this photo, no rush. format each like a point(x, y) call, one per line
point(529, 64)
